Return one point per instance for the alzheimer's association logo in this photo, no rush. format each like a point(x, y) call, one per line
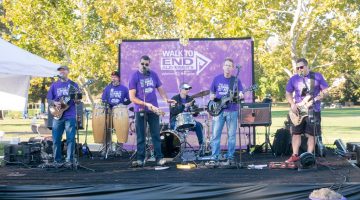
point(184, 60)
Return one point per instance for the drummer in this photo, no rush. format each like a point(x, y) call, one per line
point(115, 94)
point(185, 103)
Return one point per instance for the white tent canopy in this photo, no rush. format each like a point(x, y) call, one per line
point(17, 66)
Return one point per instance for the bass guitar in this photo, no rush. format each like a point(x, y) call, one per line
point(215, 107)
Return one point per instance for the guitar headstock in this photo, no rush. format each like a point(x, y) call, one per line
point(253, 87)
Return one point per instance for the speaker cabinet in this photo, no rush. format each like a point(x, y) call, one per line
point(255, 114)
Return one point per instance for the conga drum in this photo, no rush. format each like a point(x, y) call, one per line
point(98, 123)
point(121, 122)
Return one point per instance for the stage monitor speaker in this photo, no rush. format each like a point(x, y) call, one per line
point(255, 114)
point(80, 113)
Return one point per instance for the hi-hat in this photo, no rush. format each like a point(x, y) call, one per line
point(201, 94)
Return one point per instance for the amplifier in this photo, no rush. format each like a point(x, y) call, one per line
point(255, 114)
point(26, 153)
point(351, 146)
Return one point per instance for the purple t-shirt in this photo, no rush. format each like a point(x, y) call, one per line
point(297, 84)
point(220, 87)
point(60, 89)
point(145, 86)
point(115, 95)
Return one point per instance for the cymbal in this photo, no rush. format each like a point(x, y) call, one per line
point(201, 94)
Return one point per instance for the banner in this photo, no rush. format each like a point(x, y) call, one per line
point(196, 63)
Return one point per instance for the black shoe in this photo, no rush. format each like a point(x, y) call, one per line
point(137, 163)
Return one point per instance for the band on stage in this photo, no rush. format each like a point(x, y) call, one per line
point(225, 92)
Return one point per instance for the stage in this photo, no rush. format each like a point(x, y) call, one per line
point(114, 178)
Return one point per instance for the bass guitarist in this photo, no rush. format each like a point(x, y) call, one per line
point(221, 87)
point(59, 99)
point(302, 84)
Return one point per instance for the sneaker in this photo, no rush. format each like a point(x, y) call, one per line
point(201, 151)
point(137, 163)
point(161, 162)
point(293, 158)
point(68, 165)
point(229, 162)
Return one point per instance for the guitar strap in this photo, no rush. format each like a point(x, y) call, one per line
point(231, 86)
point(312, 83)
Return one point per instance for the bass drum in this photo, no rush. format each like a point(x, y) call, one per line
point(170, 143)
point(98, 123)
point(121, 122)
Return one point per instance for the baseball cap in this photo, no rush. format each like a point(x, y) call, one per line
point(63, 67)
point(185, 86)
point(115, 73)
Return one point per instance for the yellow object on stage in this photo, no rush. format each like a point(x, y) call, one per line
point(187, 166)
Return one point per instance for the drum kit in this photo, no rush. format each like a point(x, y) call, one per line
point(174, 143)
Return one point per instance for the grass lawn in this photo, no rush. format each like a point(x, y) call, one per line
point(336, 124)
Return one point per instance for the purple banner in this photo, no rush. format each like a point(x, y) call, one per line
point(196, 63)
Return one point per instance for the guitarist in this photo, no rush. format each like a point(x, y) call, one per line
point(142, 90)
point(185, 103)
point(61, 89)
point(221, 86)
point(301, 84)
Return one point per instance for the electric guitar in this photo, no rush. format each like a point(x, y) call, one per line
point(303, 106)
point(214, 107)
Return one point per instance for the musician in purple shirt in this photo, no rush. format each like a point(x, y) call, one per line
point(298, 87)
point(142, 90)
point(62, 90)
point(115, 94)
point(220, 87)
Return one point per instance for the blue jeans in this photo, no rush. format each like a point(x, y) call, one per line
point(218, 123)
point(198, 130)
point(57, 131)
point(154, 125)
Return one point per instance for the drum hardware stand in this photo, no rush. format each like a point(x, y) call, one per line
point(85, 147)
point(184, 145)
point(267, 143)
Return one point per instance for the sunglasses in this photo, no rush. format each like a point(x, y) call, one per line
point(145, 64)
point(186, 88)
point(301, 67)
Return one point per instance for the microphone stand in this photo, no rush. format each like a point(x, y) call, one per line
point(76, 98)
point(235, 91)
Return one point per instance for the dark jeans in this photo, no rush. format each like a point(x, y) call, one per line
point(69, 125)
point(154, 125)
point(198, 130)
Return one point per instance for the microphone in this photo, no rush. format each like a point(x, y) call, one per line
point(145, 71)
point(89, 82)
point(59, 76)
point(238, 66)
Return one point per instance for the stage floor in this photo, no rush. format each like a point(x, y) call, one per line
point(331, 169)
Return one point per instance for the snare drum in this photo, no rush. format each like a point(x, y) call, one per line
point(121, 122)
point(170, 143)
point(185, 120)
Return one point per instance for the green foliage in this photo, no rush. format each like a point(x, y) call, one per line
point(85, 34)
